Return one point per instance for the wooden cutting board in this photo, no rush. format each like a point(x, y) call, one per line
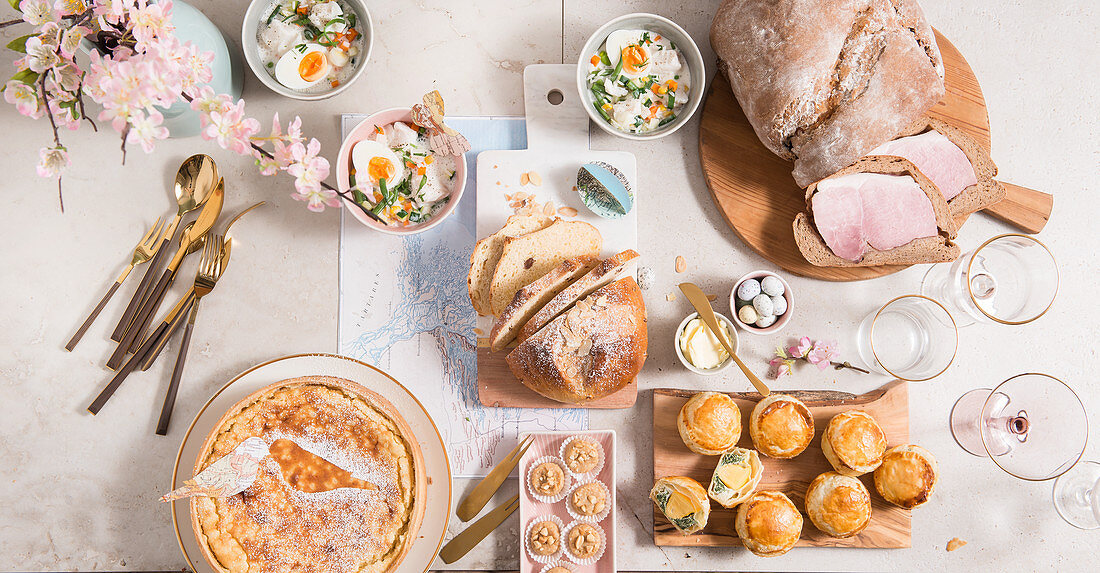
point(557, 146)
point(890, 525)
point(756, 194)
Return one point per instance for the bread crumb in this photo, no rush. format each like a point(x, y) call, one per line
point(478, 332)
point(645, 278)
point(567, 212)
point(681, 264)
point(712, 297)
point(955, 543)
point(524, 179)
point(534, 178)
point(670, 296)
point(498, 182)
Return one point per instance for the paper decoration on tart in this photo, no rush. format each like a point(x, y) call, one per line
point(709, 423)
point(781, 426)
point(838, 505)
point(853, 442)
point(880, 211)
point(768, 523)
point(604, 190)
point(907, 476)
point(277, 523)
point(442, 138)
point(959, 167)
point(683, 501)
point(735, 477)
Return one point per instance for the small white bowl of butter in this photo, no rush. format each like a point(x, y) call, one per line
point(699, 349)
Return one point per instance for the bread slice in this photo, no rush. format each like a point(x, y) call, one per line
point(609, 270)
point(935, 249)
point(526, 258)
point(529, 299)
point(592, 350)
point(987, 191)
point(487, 251)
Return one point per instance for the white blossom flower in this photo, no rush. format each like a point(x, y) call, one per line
point(52, 160)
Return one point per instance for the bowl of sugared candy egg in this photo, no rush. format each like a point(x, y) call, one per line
point(762, 302)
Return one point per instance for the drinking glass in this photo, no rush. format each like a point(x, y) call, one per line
point(1032, 425)
point(1077, 495)
point(912, 337)
point(1010, 279)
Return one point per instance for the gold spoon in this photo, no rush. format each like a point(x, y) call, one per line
point(195, 180)
point(699, 300)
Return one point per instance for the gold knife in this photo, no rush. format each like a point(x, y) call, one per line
point(699, 300)
point(484, 490)
point(462, 543)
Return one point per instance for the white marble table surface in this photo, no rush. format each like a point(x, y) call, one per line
point(79, 492)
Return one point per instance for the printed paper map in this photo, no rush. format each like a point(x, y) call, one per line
point(404, 309)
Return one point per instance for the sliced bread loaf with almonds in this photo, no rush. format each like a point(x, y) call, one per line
point(529, 299)
point(526, 258)
point(592, 350)
point(608, 271)
point(486, 254)
point(934, 247)
point(984, 192)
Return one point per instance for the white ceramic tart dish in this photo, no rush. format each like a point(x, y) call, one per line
point(853, 442)
point(735, 477)
point(781, 426)
point(709, 423)
point(768, 523)
point(907, 476)
point(291, 515)
point(838, 505)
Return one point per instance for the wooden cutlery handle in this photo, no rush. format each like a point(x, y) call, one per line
point(173, 386)
point(163, 341)
point(91, 318)
point(132, 339)
point(139, 294)
point(163, 332)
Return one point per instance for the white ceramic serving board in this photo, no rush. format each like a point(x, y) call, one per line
point(557, 146)
point(549, 444)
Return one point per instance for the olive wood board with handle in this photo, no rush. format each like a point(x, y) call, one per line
point(756, 194)
point(890, 525)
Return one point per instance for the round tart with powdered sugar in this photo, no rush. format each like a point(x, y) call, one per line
point(341, 491)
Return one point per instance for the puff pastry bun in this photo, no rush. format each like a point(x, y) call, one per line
point(768, 523)
point(709, 423)
point(781, 426)
point(735, 477)
point(907, 476)
point(853, 443)
point(683, 501)
point(839, 505)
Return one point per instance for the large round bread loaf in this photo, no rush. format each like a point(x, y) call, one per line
point(823, 82)
point(589, 351)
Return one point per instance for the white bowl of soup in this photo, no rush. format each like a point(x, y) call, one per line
point(307, 49)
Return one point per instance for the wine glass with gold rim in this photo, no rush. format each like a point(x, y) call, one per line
point(1033, 426)
point(1077, 495)
point(1010, 279)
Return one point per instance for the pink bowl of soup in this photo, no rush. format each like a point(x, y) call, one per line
point(389, 168)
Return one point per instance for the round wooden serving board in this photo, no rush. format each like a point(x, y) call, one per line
point(755, 191)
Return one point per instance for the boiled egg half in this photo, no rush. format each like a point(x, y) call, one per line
point(374, 161)
point(627, 45)
point(301, 68)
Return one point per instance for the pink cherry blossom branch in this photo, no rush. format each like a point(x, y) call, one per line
point(56, 135)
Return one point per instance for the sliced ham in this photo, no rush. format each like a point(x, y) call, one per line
point(870, 210)
point(937, 157)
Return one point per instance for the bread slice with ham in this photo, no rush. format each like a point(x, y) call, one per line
point(959, 167)
point(880, 211)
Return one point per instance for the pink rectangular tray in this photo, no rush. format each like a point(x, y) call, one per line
point(548, 444)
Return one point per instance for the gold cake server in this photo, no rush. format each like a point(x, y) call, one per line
point(462, 543)
point(484, 490)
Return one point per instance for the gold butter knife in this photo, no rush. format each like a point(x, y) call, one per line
point(469, 507)
point(462, 543)
point(699, 300)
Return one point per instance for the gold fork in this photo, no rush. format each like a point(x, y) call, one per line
point(145, 250)
point(484, 490)
point(215, 257)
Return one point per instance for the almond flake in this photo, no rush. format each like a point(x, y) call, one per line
point(670, 296)
point(955, 543)
point(519, 195)
point(681, 264)
point(567, 212)
point(548, 209)
point(524, 179)
point(534, 178)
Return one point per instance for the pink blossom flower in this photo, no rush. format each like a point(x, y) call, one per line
point(50, 34)
point(37, 12)
point(66, 78)
point(232, 129)
point(286, 144)
point(803, 347)
point(150, 21)
point(24, 98)
point(146, 128)
point(206, 102)
point(69, 7)
point(267, 165)
point(65, 117)
point(822, 353)
point(782, 367)
point(52, 160)
point(40, 57)
point(309, 170)
point(70, 40)
point(111, 11)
